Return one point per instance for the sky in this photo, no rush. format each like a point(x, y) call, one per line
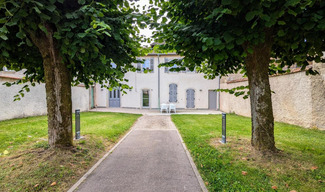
point(146, 32)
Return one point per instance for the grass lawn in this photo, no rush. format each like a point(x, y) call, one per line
point(28, 164)
point(299, 166)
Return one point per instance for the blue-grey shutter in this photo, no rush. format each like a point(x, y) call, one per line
point(187, 98)
point(139, 67)
point(172, 93)
point(151, 65)
point(190, 98)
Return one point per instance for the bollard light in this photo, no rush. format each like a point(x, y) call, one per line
point(223, 140)
point(77, 120)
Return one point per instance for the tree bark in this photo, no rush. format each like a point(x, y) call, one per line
point(58, 90)
point(257, 65)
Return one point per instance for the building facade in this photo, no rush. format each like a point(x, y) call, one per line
point(153, 86)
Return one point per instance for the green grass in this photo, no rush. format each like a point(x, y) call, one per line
point(299, 166)
point(32, 166)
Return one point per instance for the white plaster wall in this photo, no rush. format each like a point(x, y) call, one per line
point(80, 98)
point(34, 102)
point(140, 81)
point(231, 104)
point(101, 96)
point(292, 100)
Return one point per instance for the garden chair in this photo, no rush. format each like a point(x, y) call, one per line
point(172, 107)
point(163, 107)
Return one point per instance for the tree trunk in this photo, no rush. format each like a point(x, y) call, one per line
point(257, 65)
point(58, 90)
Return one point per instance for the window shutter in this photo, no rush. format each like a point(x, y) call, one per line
point(175, 99)
point(139, 67)
point(151, 65)
point(172, 93)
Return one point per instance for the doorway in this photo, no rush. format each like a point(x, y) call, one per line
point(114, 98)
point(212, 100)
point(145, 99)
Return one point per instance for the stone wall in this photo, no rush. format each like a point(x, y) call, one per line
point(297, 99)
point(34, 102)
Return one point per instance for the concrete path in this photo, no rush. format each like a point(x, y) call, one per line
point(151, 158)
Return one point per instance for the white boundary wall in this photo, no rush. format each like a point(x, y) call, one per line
point(34, 102)
point(298, 99)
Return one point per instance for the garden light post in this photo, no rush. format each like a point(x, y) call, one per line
point(77, 120)
point(223, 140)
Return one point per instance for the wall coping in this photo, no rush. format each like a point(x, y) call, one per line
point(10, 77)
point(297, 70)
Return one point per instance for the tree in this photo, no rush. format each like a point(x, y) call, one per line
point(65, 43)
point(218, 37)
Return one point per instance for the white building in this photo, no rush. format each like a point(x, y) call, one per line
point(188, 90)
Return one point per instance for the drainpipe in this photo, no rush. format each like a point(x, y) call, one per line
point(158, 82)
point(218, 94)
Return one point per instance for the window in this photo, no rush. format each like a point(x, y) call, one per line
point(167, 69)
point(147, 65)
point(172, 93)
point(145, 98)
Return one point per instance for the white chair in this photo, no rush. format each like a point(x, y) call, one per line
point(172, 107)
point(163, 107)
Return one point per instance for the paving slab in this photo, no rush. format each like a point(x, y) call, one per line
point(150, 158)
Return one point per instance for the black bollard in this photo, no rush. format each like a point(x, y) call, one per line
point(77, 120)
point(223, 128)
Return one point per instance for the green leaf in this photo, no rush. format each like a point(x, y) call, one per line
point(3, 36)
point(37, 10)
point(227, 37)
point(281, 22)
point(57, 35)
point(204, 48)
point(250, 15)
point(81, 2)
point(20, 35)
point(5, 53)
point(226, 2)
point(281, 33)
point(217, 41)
point(43, 28)
point(164, 20)
point(82, 35)
point(51, 7)
point(209, 42)
point(3, 20)
point(290, 11)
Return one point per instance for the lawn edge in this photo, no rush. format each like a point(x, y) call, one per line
point(196, 171)
point(85, 176)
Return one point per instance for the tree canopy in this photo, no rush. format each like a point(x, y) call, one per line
point(218, 37)
point(220, 33)
point(90, 36)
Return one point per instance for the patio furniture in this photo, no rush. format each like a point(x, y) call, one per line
point(172, 107)
point(163, 107)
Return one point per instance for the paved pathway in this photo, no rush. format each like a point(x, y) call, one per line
point(150, 158)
